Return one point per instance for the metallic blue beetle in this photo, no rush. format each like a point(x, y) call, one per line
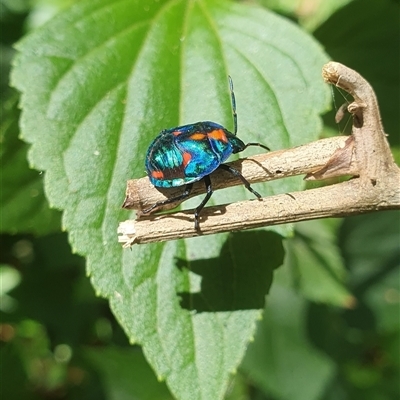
point(186, 154)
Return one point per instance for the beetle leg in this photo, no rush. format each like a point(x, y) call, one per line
point(246, 183)
point(181, 197)
point(207, 182)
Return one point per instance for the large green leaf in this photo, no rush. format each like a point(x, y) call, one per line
point(98, 82)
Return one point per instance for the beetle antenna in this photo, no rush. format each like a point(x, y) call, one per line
point(233, 105)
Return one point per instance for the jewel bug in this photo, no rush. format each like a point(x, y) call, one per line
point(186, 154)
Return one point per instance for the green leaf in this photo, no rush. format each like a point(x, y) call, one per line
point(24, 206)
point(309, 15)
point(316, 265)
point(9, 278)
point(220, 296)
point(370, 245)
point(314, 16)
point(281, 351)
point(15, 6)
point(98, 82)
point(364, 341)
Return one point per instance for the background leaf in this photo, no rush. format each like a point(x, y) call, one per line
point(281, 346)
point(313, 259)
point(98, 82)
point(309, 14)
point(24, 206)
point(364, 341)
point(126, 375)
point(367, 44)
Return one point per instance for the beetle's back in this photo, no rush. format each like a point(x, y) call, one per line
point(187, 153)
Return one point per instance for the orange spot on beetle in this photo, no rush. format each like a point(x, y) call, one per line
point(218, 134)
point(197, 136)
point(186, 158)
point(157, 174)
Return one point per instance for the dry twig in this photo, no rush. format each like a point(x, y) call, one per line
point(365, 155)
